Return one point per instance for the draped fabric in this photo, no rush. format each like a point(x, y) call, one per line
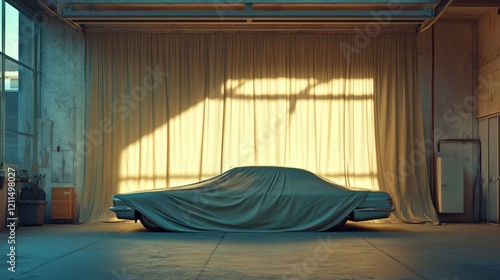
point(253, 198)
point(165, 110)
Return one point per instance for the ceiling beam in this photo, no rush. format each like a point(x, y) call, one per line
point(145, 2)
point(26, 5)
point(476, 3)
point(84, 13)
point(439, 10)
point(151, 15)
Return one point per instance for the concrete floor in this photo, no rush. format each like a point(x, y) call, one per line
point(126, 251)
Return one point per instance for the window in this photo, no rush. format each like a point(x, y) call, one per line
point(17, 90)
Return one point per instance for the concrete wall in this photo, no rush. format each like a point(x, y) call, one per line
point(489, 64)
point(455, 55)
point(62, 109)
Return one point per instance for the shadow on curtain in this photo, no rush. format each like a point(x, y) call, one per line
point(164, 110)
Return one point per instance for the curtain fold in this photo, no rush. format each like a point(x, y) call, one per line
point(399, 131)
point(169, 109)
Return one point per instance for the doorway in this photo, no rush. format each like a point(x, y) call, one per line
point(489, 135)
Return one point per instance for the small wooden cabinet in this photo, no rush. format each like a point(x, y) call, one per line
point(63, 203)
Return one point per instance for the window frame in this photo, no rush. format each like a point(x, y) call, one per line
point(34, 69)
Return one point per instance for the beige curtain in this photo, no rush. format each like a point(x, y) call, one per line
point(169, 109)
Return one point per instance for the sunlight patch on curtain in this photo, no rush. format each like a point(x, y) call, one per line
point(325, 127)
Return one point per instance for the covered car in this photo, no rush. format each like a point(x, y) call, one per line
point(254, 198)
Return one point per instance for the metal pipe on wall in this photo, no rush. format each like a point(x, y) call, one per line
point(433, 154)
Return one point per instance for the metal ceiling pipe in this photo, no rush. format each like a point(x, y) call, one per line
point(249, 13)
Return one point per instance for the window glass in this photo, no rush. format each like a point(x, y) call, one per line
point(1, 25)
point(19, 36)
point(2, 141)
point(1, 80)
point(18, 98)
point(11, 32)
point(17, 91)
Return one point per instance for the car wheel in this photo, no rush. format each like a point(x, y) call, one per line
point(150, 225)
point(338, 226)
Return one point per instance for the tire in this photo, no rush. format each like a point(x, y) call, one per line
point(150, 225)
point(338, 226)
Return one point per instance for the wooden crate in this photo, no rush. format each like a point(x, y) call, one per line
point(63, 203)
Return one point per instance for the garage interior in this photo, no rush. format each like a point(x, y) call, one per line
point(105, 97)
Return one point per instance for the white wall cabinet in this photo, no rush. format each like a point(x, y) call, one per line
point(450, 184)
